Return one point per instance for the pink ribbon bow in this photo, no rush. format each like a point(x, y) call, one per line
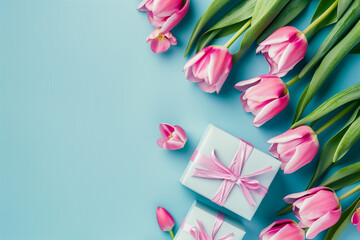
point(200, 233)
point(231, 175)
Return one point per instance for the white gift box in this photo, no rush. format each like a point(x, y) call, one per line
point(207, 217)
point(226, 147)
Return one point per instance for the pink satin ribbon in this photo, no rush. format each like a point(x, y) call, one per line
point(231, 175)
point(200, 233)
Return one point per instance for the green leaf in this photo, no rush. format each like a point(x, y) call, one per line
point(356, 49)
point(291, 10)
point(349, 139)
point(327, 65)
point(328, 152)
point(345, 96)
point(264, 13)
point(335, 231)
point(332, 17)
point(342, 6)
point(230, 23)
point(214, 7)
point(342, 27)
point(344, 177)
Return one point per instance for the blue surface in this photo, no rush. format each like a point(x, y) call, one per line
point(81, 97)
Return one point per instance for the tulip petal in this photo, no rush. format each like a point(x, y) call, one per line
point(197, 57)
point(303, 155)
point(175, 18)
point(180, 132)
point(281, 35)
point(159, 46)
point(165, 8)
point(293, 54)
point(190, 76)
point(165, 129)
point(279, 222)
point(355, 219)
point(295, 196)
point(271, 110)
point(291, 134)
point(244, 85)
point(323, 223)
point(206, 87)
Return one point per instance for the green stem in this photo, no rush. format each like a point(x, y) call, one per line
point(349, 193)
point(293, 81)
point(321, 17)
point(336, 117)
point(238, 34)
point(172, 234)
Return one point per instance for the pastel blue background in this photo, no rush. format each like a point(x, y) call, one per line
point(81, 97)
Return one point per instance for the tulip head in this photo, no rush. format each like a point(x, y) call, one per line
point(165, 220)
point(283, 49)
point(173, 137)
point(160, 42)
point(209, 68)
point(295, 148)
point(165, 14)
point(317, 209)
point(264, 96)
point(281, 230)
point(355, 219)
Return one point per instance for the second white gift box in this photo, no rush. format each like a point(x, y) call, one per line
point(201, 222)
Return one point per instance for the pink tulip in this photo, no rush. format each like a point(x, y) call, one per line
point(173, 137)
point(283, 49)
point(282, 230)
point(209, 68)
point(165, 220)
point(165, 14)
point(355, 219)
point(295, 148)
point(317, 209)
point(160, 42)
point(264, 96)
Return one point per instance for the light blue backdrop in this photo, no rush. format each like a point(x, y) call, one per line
point(81, 97)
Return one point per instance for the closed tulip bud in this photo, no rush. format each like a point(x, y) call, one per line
point(355, 219)
point(283, 230)
point(317, 209)
point(295, 148)
point(173, 137)
point(209, 68)
point(165, 220)
point(264, 96)
point(283, 49)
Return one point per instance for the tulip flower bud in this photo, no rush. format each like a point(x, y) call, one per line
point(317, 209)
point(283, 49)
point(209, 68)
point(282, 230)
point(264, 96)
point(165, 220)
point(295, 148)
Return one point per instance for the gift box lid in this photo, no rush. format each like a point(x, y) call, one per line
point(226, 146)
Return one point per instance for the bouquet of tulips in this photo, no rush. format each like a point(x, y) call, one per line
point(264, 22)
point(265, 96)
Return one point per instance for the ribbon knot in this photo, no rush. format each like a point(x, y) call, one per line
point(215, 169)
point(200, 233)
